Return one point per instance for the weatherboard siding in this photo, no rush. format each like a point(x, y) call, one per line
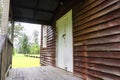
point(48, 54)
point(96, 38)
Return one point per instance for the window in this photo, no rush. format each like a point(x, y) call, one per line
point(44, 36)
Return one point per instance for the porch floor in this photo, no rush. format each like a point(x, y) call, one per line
point(40, 73)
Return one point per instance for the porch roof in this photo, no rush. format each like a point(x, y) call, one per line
point(34, 11)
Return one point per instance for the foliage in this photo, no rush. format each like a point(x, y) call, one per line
point(34, 49)
point(14, 51)
point(18, 30)
point(35, 36)
point(24, 44)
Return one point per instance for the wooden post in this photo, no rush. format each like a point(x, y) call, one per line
point(12, 36)
point(5, 17)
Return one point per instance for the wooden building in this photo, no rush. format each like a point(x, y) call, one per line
point(84, 39)
point(78, 36)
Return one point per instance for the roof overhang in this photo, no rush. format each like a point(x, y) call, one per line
point(34, 11)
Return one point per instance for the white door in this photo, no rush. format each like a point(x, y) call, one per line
point(65, 42)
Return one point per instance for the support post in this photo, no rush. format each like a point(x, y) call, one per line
point(12, 36)
point(5, 17)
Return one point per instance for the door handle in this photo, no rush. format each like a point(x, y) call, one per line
point(64, 35)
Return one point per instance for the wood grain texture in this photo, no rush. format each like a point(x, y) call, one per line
point(40, 73)
point(48, 54)
point(96, 38)
point(5, 56)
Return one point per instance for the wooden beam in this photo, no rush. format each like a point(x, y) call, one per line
point(29, 20)
point(12, 36)
point(5, 16)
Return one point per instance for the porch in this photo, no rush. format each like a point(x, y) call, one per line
point(95, 33)
point(40, 73)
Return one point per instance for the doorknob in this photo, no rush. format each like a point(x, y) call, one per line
point(64, 36)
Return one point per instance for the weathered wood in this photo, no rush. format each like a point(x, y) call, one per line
point(12, 36)
point(7, 72)
point(108, 24)
point(96, 39)
point(5, 17)
point(97, 6)
point(48, 54)
point(96, 36)
point(5, 56)
point(107, 54)
point(40, 73)
point(2, 41)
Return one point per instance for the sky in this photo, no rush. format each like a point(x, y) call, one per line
point(29, 29)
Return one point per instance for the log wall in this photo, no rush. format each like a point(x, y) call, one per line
point(96, 30)
point(96, 38)
point(48, 54)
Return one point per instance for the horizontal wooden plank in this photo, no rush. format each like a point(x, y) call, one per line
point(101, 61)
point(105, 18)
point(101, 40)
point(88, 8)
point(84, 4)
point(84, 75)
point(50, 39)
point(51, 42)
point(102, 33)
point(40, 73)
point(102, 5)
point(100, 68)
point(104, 47)
point(107, 54)
point(49, 55)
point(99, 47)
point(109, 24)
point(99, 14)
point(99, 75)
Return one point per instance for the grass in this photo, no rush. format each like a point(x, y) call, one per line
point(20, 61)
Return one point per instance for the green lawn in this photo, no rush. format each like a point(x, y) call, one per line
point(20, 61)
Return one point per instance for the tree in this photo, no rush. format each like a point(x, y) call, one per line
point(17, 30)
point(35, 36)
point(24, 44)
point(35, 48)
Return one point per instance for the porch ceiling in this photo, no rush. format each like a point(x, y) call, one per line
point(34, 11)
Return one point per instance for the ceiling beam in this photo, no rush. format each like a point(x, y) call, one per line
point(35, 21)
point(35, 9)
